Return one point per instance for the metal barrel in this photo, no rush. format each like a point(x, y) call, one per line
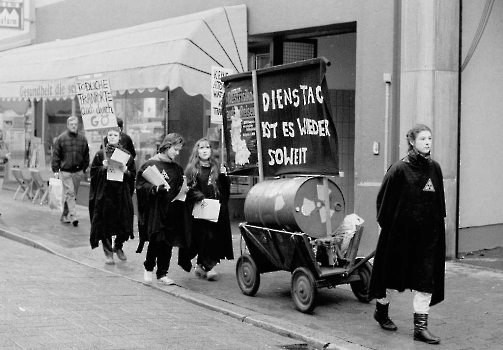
point(295, 204)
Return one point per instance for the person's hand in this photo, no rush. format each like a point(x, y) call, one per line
point(161, 189)
point(105, 163)
point(123, 168)
point(56, 175)
point(223, 169)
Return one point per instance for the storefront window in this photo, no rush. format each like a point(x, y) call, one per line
point(144, 117)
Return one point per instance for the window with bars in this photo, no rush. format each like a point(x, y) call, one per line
point(294, 51)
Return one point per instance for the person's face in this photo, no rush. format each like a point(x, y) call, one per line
point(113, 137)
point(173, 151)
point(422, 143)
point(73, 126)
point(204, 151)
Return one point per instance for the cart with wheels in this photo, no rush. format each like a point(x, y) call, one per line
point(278, 120)
point(315, 260)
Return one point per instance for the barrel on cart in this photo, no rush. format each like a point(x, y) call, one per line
point(286, 230)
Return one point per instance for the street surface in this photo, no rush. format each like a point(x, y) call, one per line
point(48, 302)
point(471, 317)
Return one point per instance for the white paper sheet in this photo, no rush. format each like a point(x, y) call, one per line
point(207, 209)
point(153, 175)
point(120, 156)
point(114, 173)
point(183, 191)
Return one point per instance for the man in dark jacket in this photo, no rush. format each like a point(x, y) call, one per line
point(70, 160)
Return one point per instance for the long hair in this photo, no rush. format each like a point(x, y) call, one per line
point(412, 133)
point(193, 168)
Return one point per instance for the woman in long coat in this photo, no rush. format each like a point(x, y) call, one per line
point(211, 241)
point(163, 222)
point(411, 247)
point(110, 202)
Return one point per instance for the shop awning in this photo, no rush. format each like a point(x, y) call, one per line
point(172, 53)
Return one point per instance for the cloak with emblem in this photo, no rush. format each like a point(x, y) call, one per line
point(159, 217)
point(410, 251)
point(110, 202)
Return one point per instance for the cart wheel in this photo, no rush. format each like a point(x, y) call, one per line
point(247, 275)
point(304, 290)
point(361, 288)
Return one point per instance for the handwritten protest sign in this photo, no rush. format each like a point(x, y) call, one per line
point(217, 92)
point(96, 104)
point(297, 131)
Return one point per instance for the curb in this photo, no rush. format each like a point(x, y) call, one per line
point(287, 329)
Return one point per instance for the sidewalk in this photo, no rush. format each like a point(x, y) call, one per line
point(470, 318)
point(50, 305)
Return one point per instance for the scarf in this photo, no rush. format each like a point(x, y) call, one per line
point(162, 158)
point(110, 149)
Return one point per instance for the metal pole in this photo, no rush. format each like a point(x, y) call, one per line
point(327, 206)
point(257, 126)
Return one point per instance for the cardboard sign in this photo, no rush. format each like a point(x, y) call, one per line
point(217, 92)
point(96, 104)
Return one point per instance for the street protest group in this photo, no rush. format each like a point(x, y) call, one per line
point(167, 195)
point(410, 251)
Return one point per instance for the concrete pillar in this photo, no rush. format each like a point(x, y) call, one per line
point(429, 88)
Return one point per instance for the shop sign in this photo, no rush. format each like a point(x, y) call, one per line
point(96, 104)
point(11, 14)
point(47, 90)
point(217, 92)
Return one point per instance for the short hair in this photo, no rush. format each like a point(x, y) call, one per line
point(171, 140)
point(412, 133)
point(71, 119)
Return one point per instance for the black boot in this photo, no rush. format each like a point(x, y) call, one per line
point(421, 332)
point(381, 316)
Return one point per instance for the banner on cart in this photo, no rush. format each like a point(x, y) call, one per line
point(297, 132)
point(239, 126)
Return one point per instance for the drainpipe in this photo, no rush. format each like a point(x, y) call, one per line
point(456, 227)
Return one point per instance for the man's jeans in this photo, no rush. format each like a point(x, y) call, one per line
point(71, 183)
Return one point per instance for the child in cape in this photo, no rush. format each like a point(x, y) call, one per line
point(211, 241)
point(161, 221)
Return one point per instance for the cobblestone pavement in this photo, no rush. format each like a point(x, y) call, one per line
point(48, 302)
point(471, 317)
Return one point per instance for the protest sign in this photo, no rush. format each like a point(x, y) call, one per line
point(96, 104)
point(217, 92)
point(239, 126)
point(297, 132)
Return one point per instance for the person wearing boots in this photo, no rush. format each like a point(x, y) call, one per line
point(110, 199)
point(410, 251)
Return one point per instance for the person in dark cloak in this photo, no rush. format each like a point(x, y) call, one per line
point(211, 241)
point(162, 222)
point(125, 142)
point(410, 251)
point(110, 202)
